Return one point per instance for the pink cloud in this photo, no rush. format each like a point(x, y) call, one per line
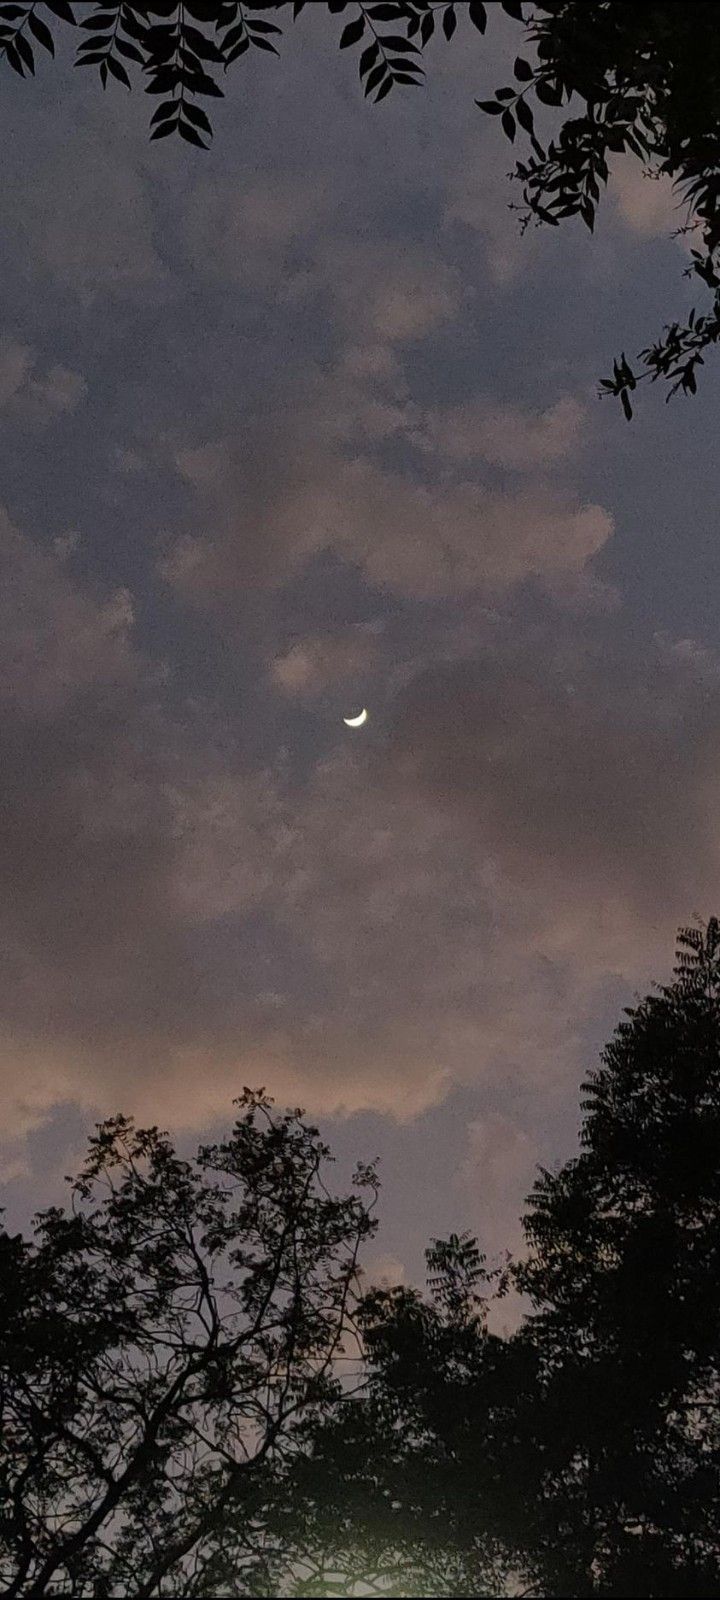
point(508, 436)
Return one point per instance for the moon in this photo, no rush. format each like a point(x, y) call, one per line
point(356, 722)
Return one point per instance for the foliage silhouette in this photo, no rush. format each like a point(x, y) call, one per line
point(643, 80)
point(160, 1345)
point(581, 1455)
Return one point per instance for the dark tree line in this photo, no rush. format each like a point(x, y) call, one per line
point(198, 1398)
point(609, 78)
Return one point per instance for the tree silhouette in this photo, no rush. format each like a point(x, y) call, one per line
point(644, 80)
point(581, 1455)
point(624, 1272)
point(402, 1488)
point(161, 1344)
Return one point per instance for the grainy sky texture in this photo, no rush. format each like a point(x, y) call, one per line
point(290, 428)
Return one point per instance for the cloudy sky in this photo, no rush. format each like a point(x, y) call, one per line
point(293, 427)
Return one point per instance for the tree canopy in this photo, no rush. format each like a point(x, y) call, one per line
point(160, 1343)
point(607, 78)
point(581, 1455)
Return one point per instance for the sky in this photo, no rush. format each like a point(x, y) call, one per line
point(297, 426)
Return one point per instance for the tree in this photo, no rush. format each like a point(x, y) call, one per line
point(624, 1273)
point(625, 78)
point(581, 1455)
point(412, 1488)
point(161, 1344)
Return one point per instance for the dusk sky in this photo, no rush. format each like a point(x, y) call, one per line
point(294, 427)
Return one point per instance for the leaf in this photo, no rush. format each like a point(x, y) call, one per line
point(549, 93)
point(97, 23)
point(375, 77)
point(478, 15)
point(102, 44)
point(524, 115)
point(508, 125)
point(395, 41)
point(258, 26)
point(202, 84)
point(25, 53)
point(490, 106)
point(14, 60)
point(514, 9)
point(206, 49)
point(164, 129)
point(369, 56)
point(41, 32)
point(404, 77)
point(522, 69)
point(238, 51)
point(298, 6)
point(202, 10)
point(196, 115)
point(232, 36)
point(61, 9)
point(614, 139)
point(191, 64)
point(164, 81)
point(449, 21)
point(263, 44)
point(427, 28)
point(352, 32)
point(387, 13)
point(167, 73)
point(545, 216)
point(168, 110)
point(188, 133)
point(118, 71)
point(625, 401)
point(161, 43)
point(132, 26)
point(626, 372)
point(130, 51)
point(384, 89)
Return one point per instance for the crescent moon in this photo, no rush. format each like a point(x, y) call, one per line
point(356, 722)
